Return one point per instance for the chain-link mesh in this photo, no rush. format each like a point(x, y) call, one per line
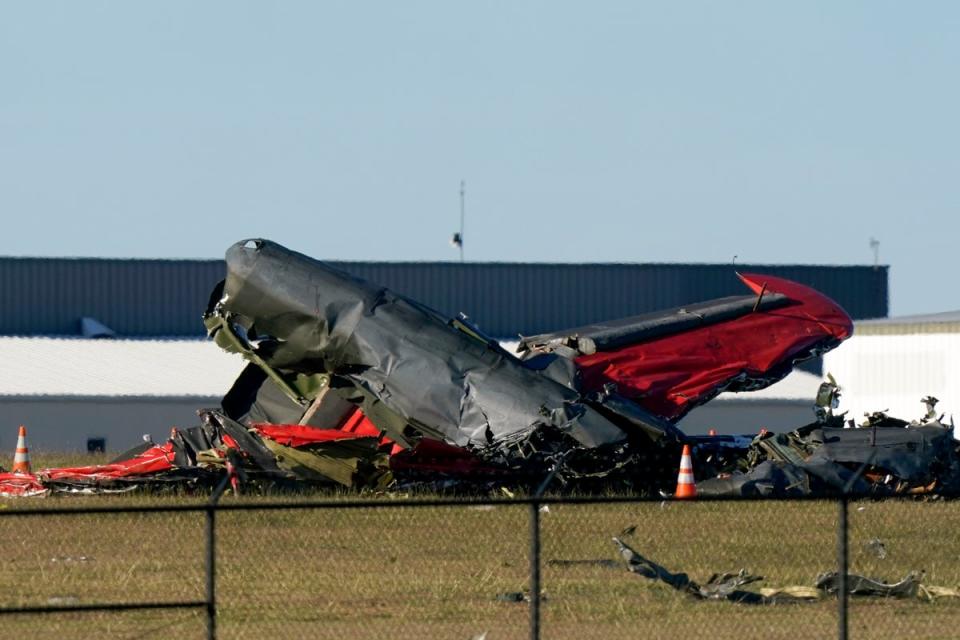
point(395, 572)
point(888, 541)
point(91, 559)
point(168, 624)
point(463, 570)
point(590, 593)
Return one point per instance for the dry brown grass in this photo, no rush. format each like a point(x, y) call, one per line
point(50, 459)
point(434, 572)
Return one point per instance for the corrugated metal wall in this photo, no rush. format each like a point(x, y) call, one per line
point(40, 296)
point(506, 299)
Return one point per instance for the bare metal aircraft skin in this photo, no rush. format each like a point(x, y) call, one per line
point(325, 346)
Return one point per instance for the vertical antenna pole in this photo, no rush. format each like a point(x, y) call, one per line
point(463, 197)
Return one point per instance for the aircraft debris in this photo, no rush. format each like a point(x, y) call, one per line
point(18, 485)
point(882, 456)
point(417, 396)
point(727, 586)
point(720, 586)
point(858, 585)
point(876, 547)
point(517, 596)
point(351, 384)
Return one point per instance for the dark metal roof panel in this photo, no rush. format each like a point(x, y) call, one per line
point(48, 296)
point(510, 298)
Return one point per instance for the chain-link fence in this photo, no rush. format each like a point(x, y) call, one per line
point(585, 567)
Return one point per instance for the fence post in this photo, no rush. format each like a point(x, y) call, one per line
point(534, 570)
point(842, 562)
point(211, 573)
point(211, 512)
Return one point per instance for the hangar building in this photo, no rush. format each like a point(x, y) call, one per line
point(100, 351)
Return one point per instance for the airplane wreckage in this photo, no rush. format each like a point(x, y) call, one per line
point(351, 384)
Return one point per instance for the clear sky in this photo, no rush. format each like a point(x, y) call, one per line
point(601, 131)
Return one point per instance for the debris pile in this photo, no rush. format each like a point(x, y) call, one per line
point(350, 384)
point(882, 456)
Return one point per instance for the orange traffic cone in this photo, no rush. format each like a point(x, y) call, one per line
point(21, 459)
point(686, 487)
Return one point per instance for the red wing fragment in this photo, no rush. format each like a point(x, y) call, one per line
point(670, 375)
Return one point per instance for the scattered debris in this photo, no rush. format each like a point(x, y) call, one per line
point(727, 586)
point(17, 485)
point(720, 586)
point(931, 592)
point(518, 596)
point(351, 384)
point(877, 548)
point(858, 585)
point(883, 456)
point(513, 596)
point(828, 399)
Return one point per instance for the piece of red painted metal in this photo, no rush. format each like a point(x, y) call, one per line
point(427, 455)
point(156, 459)
point(672, 374)
point(296, 435)
point(355, 425)
point(21, 485)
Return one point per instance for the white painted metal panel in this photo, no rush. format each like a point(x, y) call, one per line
point(83, 367)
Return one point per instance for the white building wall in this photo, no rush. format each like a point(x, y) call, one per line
point(893, 372)
point(61, 425)
point(743, 417)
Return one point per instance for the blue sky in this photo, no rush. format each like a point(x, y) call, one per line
point(615, 131)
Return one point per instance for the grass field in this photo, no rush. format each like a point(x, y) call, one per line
point(435, 572)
